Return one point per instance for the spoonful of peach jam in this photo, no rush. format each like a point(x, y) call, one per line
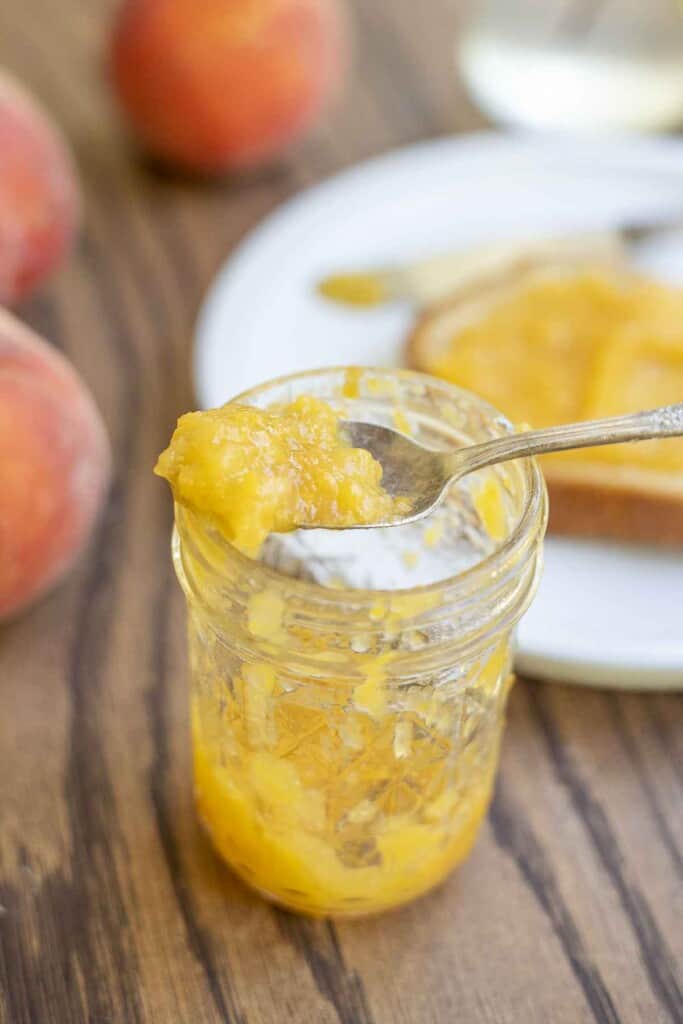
point(260, 471)
point(255, 471)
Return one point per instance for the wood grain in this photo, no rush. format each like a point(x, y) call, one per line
point(112, 906)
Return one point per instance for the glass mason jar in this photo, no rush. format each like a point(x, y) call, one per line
point(346, 740)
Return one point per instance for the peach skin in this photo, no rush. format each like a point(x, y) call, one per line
point(54, 465)
point(40, 200)
point(217, 86)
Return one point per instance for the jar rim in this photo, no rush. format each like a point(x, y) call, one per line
point(471, 580)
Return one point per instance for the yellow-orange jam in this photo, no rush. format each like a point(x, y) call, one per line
point(258, 471)
point(341, 799)
point(564, 347)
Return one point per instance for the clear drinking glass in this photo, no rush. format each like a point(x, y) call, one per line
point(577, 65)
point(346, 740)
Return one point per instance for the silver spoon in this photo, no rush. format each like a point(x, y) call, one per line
point(424, 475)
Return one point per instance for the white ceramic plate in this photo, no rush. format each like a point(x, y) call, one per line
point(609, 615)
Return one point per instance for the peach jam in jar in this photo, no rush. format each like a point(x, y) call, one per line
point(348, 688)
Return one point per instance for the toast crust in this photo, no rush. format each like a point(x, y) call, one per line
point(591, 499)
point(582, 505)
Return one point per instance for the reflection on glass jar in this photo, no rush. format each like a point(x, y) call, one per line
point(348, 693)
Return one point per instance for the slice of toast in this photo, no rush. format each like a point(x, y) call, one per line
point(589, 496)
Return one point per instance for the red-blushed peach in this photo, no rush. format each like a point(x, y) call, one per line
point(54, 465)
point(40, 198)
point(218, 85)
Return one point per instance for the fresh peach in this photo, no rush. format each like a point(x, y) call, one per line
point(54, 465)
point(39, 194)
point(222, 84)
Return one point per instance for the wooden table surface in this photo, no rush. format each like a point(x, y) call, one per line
point(113, 907)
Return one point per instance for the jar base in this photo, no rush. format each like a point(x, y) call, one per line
point(295, 905)
point(352, 908)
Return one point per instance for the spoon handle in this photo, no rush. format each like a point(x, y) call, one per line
point(640, 426)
